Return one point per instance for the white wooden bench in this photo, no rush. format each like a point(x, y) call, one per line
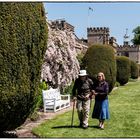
point(54, 101)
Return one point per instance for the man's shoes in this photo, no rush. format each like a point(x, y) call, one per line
point(85, 127)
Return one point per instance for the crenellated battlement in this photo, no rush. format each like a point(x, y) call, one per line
point(103, 30)
point(129, 48)
point(61, 25)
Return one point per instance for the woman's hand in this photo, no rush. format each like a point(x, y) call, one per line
point(95, 93)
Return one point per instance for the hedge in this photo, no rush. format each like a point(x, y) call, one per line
point(134, 70)
point(101, 58)
point(23, 38)
point(123, 69)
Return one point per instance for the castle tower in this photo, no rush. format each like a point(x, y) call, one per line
point(126, 38)
point(98, 35)
point(131, 51)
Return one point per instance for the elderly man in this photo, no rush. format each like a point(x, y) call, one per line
point(82, 91)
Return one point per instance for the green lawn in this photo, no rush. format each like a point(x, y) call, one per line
point(124, 118)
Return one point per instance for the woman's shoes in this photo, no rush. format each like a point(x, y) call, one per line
point(101, 126)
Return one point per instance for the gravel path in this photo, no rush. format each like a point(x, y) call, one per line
point(24, 131)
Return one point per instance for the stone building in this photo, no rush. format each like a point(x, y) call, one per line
point(61, 24)
point(101, 35)
point(113, 42)
point(80, 45)
point(131, 51)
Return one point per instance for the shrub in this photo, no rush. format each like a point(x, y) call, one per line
point(117, 84)
point(43, 86)
point(101, 58)
point(80, 60)
point(68, 89)
point(23, 38)
point(123, 69)
point(134, 70)
point(34, 116)
point(39, 105)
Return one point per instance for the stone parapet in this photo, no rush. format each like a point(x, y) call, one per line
point(129, 48)
point(62, 25)
point(95, 30)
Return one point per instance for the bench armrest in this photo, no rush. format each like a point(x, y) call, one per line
point(65, 97)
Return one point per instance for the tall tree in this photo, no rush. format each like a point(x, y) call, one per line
point(23, 38)
point(136, 39)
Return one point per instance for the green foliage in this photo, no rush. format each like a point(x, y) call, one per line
point(123, 69)
point(80, 60)
point(101, 58)
point(23, 38)
point(134, 70)
point(34, 116)
point(43, 86)
point(117, 84)
point(136, 39)
point(68, 89)
point(39, 105)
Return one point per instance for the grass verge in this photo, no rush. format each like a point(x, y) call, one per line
point(124, 121)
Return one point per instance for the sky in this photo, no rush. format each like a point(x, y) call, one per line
point(118, 16)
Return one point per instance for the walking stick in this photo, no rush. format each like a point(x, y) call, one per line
point(73, 113)
point(90, 102)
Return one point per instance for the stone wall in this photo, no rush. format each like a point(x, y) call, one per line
point(131, 51)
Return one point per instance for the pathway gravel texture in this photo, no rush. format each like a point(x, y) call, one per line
point(25, 130)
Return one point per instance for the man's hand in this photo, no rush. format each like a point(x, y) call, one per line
point(74, 98)
point(95, 93)
point(92, 92)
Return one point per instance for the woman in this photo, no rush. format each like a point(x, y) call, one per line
point(101, 107)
